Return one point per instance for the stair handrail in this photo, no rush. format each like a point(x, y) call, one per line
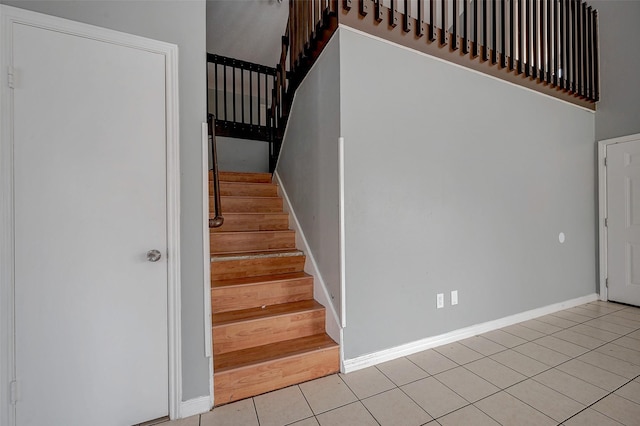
point(217, 219)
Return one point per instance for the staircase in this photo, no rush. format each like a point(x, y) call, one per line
point(268, 332)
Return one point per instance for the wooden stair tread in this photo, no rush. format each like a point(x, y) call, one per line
point(226, 318)
point(242, 177)
point(258, 279)
point(274, 351)
point(255, 255)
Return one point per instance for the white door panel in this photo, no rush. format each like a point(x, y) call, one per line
point(90, 201)
point(623, 207)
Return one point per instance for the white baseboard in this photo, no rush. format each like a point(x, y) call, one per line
point(195, 406)
point(320, 293)
point(369, 360)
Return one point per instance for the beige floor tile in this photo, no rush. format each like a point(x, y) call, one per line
point(521, 363)
point(469, 415)
point(394, 407)
point(540, 326)
point(619, 409)
point(503, 338)
point(612, 364)
point(327, 393)
point(562, 346)
point(311, 421)
point(367, 382)
point(555, 405)
point(523, 332)
point(572, 316)
point(432, 362)
point(628, 342)
point(402, 371)
point(629, 314)
point(540, 353)
point(591, 417)
point(482, 345)
point(282, 407)
point(591, 312)
point(353, 414)
point(576, 389)
point(592, 374)
point(598, 333)
point(558, 322)
point(634, 335)
point(624, 321)
point(434, 397)
point(237, 413)
point(510, 411)
point(495, 373)
point(189, 421)
point(458, 353)
point(631, 391)
point(579, 339)
point(605, 307)
point(466, 384)
point(609, 326)
point(620, 352)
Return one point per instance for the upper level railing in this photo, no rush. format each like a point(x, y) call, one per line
point(550, 46)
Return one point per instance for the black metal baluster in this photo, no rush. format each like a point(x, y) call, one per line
point(393, 15)
point(233, 69)
point(520, 38)
point(224, 75)
point(251, 95)
point(215, 71)
point(583, 62)
point(503, 34)
point(465, 27)
point(512, 31)
point(574, 47)
point(432, 20)
point(534, 39)
point(444, 8)
point(494, 32)
point(485, 29)
point(527, 55)
point(549, 35)
point(363, 8)
point(596, 59)
point(453, 40)
point(242, 92)
point(420, 19)
point(556, 43)
point(476, 42)
point(406, 20)
point(590, 53)
point(378, 10)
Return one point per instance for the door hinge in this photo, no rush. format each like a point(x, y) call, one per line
point(10, 79)
point(14, 391)
point(605, 161)
point(606, 222)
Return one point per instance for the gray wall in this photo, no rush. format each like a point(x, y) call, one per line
point(456, 181)
point(242, 155)
point(308, 165)
point(181, 22)
point(618, 112)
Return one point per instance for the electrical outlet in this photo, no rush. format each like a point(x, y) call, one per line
point(454, 297)
point(440, 300)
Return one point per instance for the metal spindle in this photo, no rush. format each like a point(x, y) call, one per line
point(453, 39)
point(596, 59)
point(512, 30)
point(590, 53)
point(215, 72)
point(475, 44)
point(444, 9)
point(233, 82)
point(485, 25)
point(420, 19)
point(465, 27)
point(520, 38)
point(527, 55)
point(503, 34)
point(251, 95)
point(534, 39)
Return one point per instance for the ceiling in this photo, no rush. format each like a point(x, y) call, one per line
point(250, 30)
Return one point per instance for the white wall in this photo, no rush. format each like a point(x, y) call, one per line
point(618, 112)
point(456, 181)
point(181, 22)
point(308, 165)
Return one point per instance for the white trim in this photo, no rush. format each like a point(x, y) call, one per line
point(602, 208)
point(206, 267)
point(9, 16)
point(320, 292)
point(371, 36)
point(194, 406)
point(343, 251)
point(369, 360)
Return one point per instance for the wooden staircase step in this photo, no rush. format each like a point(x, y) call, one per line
point(242, 177)
point(252, 292)
point(252, 222)
point(249, 372)
point(248, 189)
point(251, 241)
point(231, 266)
point(248, 204)
point(247, 328)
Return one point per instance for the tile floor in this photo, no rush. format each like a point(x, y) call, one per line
point(580, 366)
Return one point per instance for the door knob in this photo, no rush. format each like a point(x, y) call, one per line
point(153, 255)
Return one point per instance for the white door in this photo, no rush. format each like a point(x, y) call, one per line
point(90, 200)
point(623, 209)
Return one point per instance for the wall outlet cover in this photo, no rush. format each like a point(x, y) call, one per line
point(440, 300)
point(454, 297)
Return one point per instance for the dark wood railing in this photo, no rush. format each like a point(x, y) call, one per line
point(217, 220)
point(550, 46)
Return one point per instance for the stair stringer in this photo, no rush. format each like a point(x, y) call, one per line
point(320, 292)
